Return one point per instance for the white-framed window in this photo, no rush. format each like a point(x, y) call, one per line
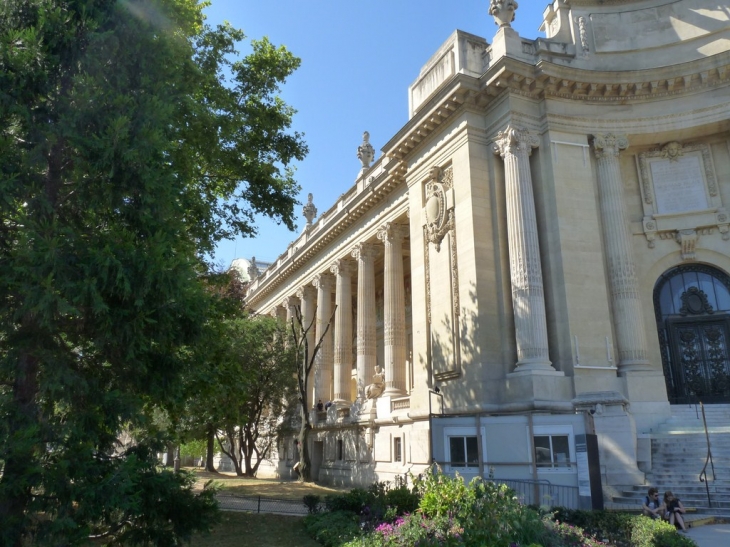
point(461, 449)
point(397, 449)
point(554, 447)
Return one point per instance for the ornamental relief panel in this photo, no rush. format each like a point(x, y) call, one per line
point(441, 268)
point(680, 196)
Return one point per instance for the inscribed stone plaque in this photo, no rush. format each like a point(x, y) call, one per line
point(678, 185)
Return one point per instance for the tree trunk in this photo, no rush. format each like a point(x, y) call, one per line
point(305, 464)
point(231, 436)
point(210, 449)
point(17, 477)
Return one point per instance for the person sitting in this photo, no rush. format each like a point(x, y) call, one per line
point(327, 405)
point(320, 406)
point(673, 510)
point(651, 507)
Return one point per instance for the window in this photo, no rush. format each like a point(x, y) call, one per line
point(554, 447)
point(339, 450)
point(461, 449)
point(397, 449)
point(464, 451)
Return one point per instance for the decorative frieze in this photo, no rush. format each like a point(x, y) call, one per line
point(441, 269)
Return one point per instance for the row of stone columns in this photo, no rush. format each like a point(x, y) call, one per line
point(515, 145)
point(333, 366)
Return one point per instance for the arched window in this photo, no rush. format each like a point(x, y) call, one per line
point(692, 306)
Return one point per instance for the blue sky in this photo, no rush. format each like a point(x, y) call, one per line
point(358, 59)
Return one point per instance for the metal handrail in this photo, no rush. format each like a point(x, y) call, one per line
point(703, 473)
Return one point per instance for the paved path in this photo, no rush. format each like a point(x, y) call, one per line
point(711, 535)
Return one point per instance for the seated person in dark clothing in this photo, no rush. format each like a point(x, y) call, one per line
point(673, 510)
point(320, 406)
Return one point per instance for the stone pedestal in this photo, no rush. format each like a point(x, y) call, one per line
point(616, 430)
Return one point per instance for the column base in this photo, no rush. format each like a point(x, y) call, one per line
point(634, 365)
point(535, 366)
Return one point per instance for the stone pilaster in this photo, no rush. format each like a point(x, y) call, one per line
point(394, 312)
point(308, 298)
point(323, 364)
point(628, 318)
point(366, 316)
point(528, 300)
point(343, 270)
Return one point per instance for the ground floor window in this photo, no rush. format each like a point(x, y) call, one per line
point(462, 447)
point(464, 451)
point(554, 447)
point(397, 449)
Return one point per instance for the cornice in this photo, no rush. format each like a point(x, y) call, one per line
point(546, 79)
point(346, 211)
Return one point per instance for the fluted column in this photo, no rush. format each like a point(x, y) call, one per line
point(308, 297)
point(515, 146)
point(343, 329)
point(394, 312)
point(290, 304)
point(627, 315)
point(279, 312)
point(366, 316)
point(323, 364)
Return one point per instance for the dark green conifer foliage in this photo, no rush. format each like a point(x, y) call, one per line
point(124, 157)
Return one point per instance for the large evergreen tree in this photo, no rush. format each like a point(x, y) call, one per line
point(125, 155)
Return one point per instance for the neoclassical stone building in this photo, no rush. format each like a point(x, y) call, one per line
point(540, 253)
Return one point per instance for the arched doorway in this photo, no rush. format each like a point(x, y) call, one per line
point(692, 306)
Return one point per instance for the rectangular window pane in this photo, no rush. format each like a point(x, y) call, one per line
point(561, 451)
point(397, 449)
point(456, 448)
point(543, 455)
point(472, 452)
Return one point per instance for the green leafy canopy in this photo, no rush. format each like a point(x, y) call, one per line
point(133, 137)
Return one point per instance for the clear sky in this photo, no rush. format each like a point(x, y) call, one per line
point(358, 59)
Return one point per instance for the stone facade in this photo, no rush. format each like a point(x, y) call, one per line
point(509, 244)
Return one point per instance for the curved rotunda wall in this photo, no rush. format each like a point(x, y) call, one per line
point(634, 35)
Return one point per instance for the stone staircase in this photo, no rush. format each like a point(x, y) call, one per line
point(679, 452)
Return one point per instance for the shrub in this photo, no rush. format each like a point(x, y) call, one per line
point(402, 499)
point(312, 502)
point(646, 532)
point(352, 501)
point(333, 529)
point(623, 529)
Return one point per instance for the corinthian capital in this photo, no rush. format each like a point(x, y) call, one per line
point(324, 281)
point(364, 251)
point(515, 139)
point(343, 267)
point(390, 231)
point(609, 144)
point(307, 292)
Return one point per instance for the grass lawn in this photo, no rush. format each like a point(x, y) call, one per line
point(262, 530)
point(270, 488)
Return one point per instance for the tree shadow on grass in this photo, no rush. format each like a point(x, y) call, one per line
point(270, 488)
